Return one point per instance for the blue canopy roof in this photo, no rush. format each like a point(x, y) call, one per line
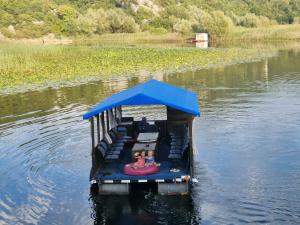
point(152, 92)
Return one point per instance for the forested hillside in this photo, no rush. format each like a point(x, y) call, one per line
point(35, 18)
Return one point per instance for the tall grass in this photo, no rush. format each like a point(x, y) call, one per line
point(273, 33)
point(27, 64)
point(129, 39)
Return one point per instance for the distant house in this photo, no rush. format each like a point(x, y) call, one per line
point(201, 37)
point(201, 40)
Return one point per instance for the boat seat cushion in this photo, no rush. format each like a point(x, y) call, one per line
point(176, 142)
point(116, 148)
point(117, 145)
point(113, 152)
point(174, 156)
point(102, 151)
point(176, 151)
point(110, 157)
point(176, 148)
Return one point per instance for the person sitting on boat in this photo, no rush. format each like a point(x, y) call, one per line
point(143, 125)
point(150, 158)
point(140, 163)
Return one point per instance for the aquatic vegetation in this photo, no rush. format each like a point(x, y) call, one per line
point(28, 64)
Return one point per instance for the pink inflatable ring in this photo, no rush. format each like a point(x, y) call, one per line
point(129, 170)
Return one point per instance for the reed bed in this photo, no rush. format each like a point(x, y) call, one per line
point(268, 33)
point(22, 64)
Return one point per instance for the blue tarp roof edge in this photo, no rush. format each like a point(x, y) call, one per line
point(150, 92)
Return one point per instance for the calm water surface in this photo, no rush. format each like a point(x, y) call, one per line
point(248, 158)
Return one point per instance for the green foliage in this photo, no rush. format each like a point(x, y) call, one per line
point(249, 20)
point(216, 23)
point(94, 21)
point(296, 20)
point(120, 22)
point(162, 22)
point(183, 26)
point(157, 31)
point(177, 11)
point(88, 17)
point(66, 12)
point(143, 13)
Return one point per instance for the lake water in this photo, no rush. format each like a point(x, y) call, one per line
point(247, 163)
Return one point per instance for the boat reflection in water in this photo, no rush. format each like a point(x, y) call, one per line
point(144, 207)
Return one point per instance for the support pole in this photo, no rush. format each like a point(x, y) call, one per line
point(93, 153)
point(120, 108)
point(98, 128)
point(102, 124)
point(115, 112)
point(92, 132)
point(107, 121)
point(118, 114)
point(191, 147)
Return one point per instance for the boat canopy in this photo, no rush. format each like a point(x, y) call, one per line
point(152, 92)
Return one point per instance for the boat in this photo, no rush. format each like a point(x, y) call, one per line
point(166, 143)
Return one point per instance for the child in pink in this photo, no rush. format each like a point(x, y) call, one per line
point(140, 163)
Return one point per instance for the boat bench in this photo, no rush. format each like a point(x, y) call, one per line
point(178, 146)
point(111, 146)
point(118, 136)
point(109, 152)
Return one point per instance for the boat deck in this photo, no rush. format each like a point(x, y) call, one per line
point(112, 172)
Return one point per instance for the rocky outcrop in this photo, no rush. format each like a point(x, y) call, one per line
point(11, 29)
point(148, 4)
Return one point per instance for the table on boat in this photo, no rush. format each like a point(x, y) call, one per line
point(139, 147)
point(147, 137)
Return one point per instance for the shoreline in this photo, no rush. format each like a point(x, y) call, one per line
point(237, 34)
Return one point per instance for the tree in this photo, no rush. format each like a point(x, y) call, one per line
point(183, 26)
point(120, 22)
point(94, 21)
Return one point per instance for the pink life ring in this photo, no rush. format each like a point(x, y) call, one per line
point(128, 170)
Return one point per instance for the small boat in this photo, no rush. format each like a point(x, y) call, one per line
point(118, 140)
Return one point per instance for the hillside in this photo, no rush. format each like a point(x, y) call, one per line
point(36, 18)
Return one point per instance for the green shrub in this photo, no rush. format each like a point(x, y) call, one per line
point(94, 21)
point(66, 12)
point(222, 24)
point(121, 22)
point(183, 26)
point(6, 19)
point(216, 23)
point(249, 20)
point(129, 25)
point(177, 11)
point(159, 30)
point(235, 18)
point(296, 20)
point(143, 13)
point(163, 22)
point(265, 21)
